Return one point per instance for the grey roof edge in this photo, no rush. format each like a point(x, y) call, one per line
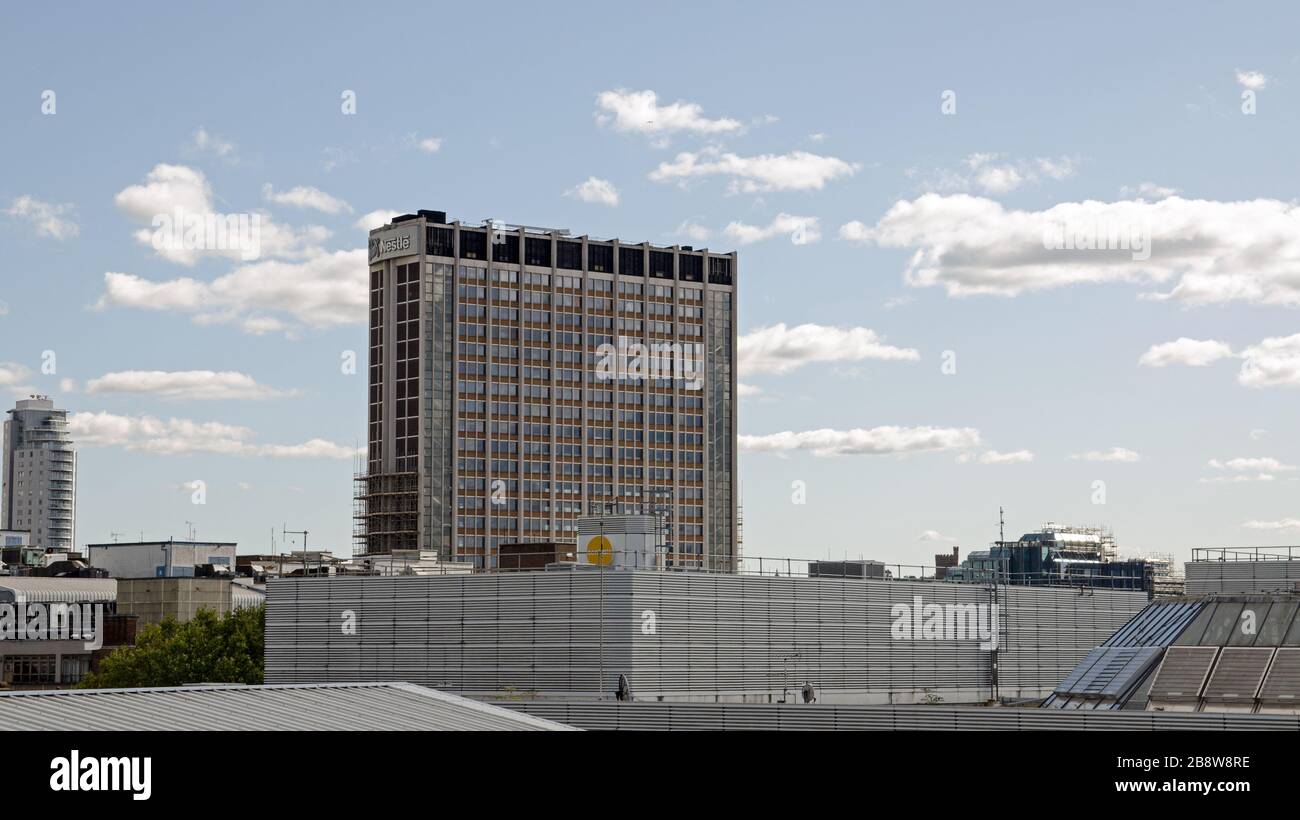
point(424, 691)
point(478, 705)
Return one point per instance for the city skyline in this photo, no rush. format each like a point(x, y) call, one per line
point(923, 334)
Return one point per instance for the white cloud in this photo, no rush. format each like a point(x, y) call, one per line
point(1144, 190)
point(1114, 454)
point(818, 137)
point(169, 189)
point(694, 232)
point(1272, 526)
point(1258, 433)
point(261, 325)
point(887, 440)
point(991, 173)
point(1253, 80)
point(1274, 362)
point(1185, 351)
point(13, 374)
point(376, 219)
point(802, 230)
point(935, 535)
point(430, 145)
point(994, 457)
point(1238, 479)
point(305, 196)
point(166, 187)
point(796, 171)
point(184, 384)
point(207, 143)
point(53, 221)
point(1241, 465)
point(326, 290)
point(175, 436)
point(780, 349)
point(1214, 252)
point(855, 231)
point(639, 112)
point(746, 390)
point(595, 190)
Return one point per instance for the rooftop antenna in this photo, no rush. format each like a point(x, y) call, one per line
point(114, 536)
point(1002, 533)
point(190, 525)
point(303, 533)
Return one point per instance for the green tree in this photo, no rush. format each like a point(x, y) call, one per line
point(208, 649)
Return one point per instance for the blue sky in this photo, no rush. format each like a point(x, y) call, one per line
point(919, 246)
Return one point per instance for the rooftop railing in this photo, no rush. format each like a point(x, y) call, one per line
point(1200, 554)
point(669, 561)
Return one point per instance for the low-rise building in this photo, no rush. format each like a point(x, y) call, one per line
point(161, 559)
point(154, 599)
point(52, 628)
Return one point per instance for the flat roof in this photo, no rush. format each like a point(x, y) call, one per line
point(284, 707)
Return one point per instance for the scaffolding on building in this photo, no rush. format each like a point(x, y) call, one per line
point(385, 512)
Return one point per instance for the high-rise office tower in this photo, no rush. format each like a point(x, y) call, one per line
point(40, 474)
point(521, 377)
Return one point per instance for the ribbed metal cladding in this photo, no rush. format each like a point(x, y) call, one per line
point(1204, 577)
point(679, 636)
point(611, 715)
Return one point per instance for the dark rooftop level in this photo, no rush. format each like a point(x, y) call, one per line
point(554, 248)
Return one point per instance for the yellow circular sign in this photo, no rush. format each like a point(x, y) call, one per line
point(600, 551)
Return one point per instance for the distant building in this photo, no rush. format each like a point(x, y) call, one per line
point(261, 566)
point(410, 562)
point(521, 378)
point(944, 562)
point(38, 492)
point(533, 556)
point(847, 569)
point(162, 559)
point(35, 659)
point(1055, 555)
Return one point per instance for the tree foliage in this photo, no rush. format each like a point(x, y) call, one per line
point(208, 649)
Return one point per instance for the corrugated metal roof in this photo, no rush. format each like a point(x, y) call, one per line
point(35, 589)
point(243, 596)
point(292, 707)
point(1183, 672)
point(1157, 625)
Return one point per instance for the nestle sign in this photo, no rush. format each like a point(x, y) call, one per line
point(402, 241)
